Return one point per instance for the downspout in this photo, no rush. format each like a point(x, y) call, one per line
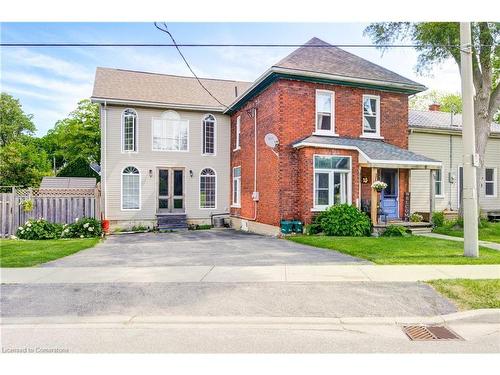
point(255, 167)
point(105, 165)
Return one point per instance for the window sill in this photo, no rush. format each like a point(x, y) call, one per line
point(329, 134)
point(375, 136)
point(318, 209)
point(235, 206)
point(439, 196)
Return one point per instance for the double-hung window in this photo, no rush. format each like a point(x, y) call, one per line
point(170, 133)
point(438, 182)
point(236, 199)
point(332, 175)
point(325, 116)
point(131, 189)
point(238, 130)
point(129, 130)
point(371, 116)
point(490, 188)
point(208, 136)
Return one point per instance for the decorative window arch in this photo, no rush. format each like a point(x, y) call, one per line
point(208, 188)
point(208, 126)
point(131, 188)
point(129, 130)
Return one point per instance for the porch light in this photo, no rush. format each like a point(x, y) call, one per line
point(191, 173)
point(150, 173)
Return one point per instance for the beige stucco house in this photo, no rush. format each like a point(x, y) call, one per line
point(165, 147)
point(438, 135)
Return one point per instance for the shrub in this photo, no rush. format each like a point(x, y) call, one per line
point(199, 227)
point(416, 218)
point(312, 229)
point(83, 228)
point(438, 219)
point(39, 229)
point(345, 220)
point(395, 231)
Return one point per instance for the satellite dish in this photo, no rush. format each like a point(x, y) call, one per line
point(271, 140)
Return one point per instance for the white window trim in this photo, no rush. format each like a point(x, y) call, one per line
point(319, 208)
point(317, 131)
point(377, 118)
point(152, 135)
point(199, 190)
point(233, 204)
point(441, 183)
point(136, 132)
point(237, 145)
point(121, 190)
point(495, 182)
point(203, 140)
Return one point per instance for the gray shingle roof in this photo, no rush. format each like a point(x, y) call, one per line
point(68, 183)
point(128, 85)
point(375, 150)
point(437, 119)
point(336, 61)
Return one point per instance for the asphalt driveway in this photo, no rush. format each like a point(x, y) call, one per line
point(200, 248)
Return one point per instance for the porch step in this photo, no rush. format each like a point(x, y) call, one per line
point(422, 229)
point(171, 221)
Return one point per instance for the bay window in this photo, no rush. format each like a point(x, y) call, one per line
point(332, 176)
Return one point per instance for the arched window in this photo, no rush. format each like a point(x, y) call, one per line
point(170, 132)
point(129, 130)
point(131, 189)
point(208, 188)
point(208, 138)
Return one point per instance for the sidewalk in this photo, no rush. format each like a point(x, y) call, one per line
point(489, 245)
point(282, 273)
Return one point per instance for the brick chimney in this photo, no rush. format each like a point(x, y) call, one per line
point(434, 107)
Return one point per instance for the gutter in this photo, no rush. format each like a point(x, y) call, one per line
point(191, 107)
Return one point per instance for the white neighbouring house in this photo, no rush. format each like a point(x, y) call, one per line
point(438, 135)
point(165, 141)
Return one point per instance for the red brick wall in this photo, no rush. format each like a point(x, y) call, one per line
point(287, 109)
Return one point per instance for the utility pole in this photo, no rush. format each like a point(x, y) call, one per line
point(470, 161)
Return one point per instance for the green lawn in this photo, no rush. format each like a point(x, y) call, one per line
point(470, 294)
point(400, 250)
point(21, 253)
point(491, 232)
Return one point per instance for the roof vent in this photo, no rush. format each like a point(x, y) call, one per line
point(235, 91)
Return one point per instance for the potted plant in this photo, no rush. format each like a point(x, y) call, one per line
point(379, 186)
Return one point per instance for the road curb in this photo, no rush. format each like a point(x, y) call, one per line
point(245, 320)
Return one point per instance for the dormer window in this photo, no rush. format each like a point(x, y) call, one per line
point(371, 116)
point(325, 116)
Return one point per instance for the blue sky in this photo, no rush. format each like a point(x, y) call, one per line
point(50, 81)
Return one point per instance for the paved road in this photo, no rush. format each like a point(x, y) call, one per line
point(246, 335)
point(200, 248)
point(223, 299)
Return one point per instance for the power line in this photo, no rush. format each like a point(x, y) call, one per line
point(187, 64)
point(241, 45)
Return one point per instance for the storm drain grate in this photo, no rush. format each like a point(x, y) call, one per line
point(430, 333)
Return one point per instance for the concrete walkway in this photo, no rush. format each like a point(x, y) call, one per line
point(489, 245)
point(281, 273)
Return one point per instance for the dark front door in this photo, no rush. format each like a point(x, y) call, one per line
point(389, 197)
point(170, 190)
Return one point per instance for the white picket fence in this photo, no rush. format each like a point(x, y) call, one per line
point(55, 205)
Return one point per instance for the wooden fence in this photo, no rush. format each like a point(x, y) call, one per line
point(55, 205)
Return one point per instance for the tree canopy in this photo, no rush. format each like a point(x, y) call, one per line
point(13, 121)
point(449, 102)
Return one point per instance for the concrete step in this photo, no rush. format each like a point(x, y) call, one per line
point(415, 230)
point(171, 221)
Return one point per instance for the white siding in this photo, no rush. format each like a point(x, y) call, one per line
point(145, 159)
point(438, 146)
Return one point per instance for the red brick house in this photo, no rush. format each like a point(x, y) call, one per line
point(340, 122)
